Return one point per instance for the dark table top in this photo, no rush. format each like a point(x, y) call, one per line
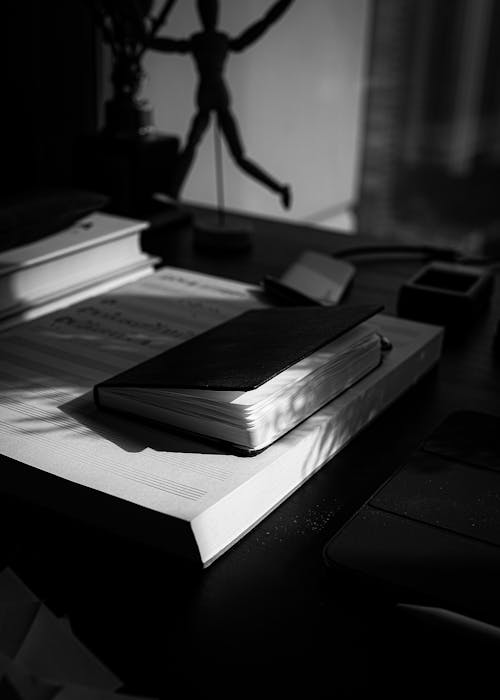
point(268, 617)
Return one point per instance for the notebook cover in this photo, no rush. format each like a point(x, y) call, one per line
point(246, 351)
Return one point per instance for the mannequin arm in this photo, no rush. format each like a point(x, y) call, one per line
point(255, 31)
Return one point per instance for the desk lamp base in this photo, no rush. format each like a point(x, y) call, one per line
point(222, 237)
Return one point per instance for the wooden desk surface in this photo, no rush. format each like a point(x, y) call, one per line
point(268, 618)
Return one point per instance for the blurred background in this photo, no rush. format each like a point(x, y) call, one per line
point(383, 115)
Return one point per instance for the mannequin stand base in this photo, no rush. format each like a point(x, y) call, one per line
point(222, 238)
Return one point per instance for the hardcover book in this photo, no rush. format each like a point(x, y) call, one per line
point(96, 253)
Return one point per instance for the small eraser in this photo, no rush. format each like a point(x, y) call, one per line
point(319, 276)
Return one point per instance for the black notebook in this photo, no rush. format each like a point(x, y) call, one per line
point(250, 380)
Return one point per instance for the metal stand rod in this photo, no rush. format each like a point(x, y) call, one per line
point(219, 174)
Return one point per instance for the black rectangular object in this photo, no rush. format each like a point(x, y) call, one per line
point(431, 532)
point(446, 293)
point(446, 494)
point(417, 562)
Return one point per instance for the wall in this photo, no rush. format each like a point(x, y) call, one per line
point(297, 95)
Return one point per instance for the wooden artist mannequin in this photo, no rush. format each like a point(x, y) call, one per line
point(210, 49)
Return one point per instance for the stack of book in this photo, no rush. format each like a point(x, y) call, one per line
point(95, 254)
point(212, 407)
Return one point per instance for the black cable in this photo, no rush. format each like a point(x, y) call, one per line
point(430, 252)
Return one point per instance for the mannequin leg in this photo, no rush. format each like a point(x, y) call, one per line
point(229, 128)
point(198, 127)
